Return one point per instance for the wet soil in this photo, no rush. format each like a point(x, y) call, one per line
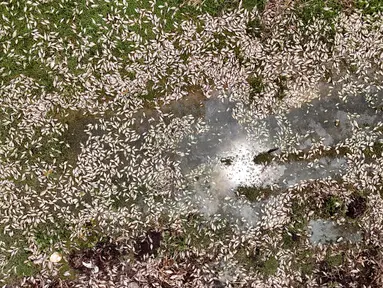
point(356, 207)
point(369, 272)
point(148, 245)
point(104, 255)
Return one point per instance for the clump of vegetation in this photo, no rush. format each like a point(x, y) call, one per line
point(299, 219)
point(257, 87)
point(334, 260)
point(270, 266)
point(376, 150)
point(369, 6)
point(256, 261)
point(20, 266)
point(327, 10)
point(217, 7)
point(151, 92)
point(220, 41)
point(48, 236)
point(329, 271)
point(333, 270)
point(290, 238)
point(333, 206)
point(251, 4)
point(306, 263)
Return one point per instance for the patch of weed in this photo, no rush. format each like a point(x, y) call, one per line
point(20, 266)
point(333, 206)
point(217, 7)
point(327, 10)
point(251, 4)
point(193, 235)
point(256, 260)
point(257, 86)
point(334, 260)
point(375, 151)
point(369, 6)
point(306, 262)
point(299, 220)
point(249, 260)
point(151, 92)
point(290, 239)
point(46, 236)
point(64, 269)
point(269, 267)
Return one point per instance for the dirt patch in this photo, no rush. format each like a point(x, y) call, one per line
point(217, 284)
point(77, 122)
point(148, 245)
point(104, 255)
point(367, 271)
point(192, 104)
point(356, 207)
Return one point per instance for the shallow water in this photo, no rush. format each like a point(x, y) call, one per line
point(221, 157)
point(323, 232)
point(224, 138)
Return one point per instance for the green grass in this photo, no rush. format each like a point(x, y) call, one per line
point(299, 221)
point(20, 266)
point(251, 4)
point(369, 6)
point(193, 235)
point(65, 267)
point(17, 265)
point(333, 207)
point(217, 7)
point(322, 9)
point(306, 262)
point(334, 260)
point(376, 151)
point(256, 85)
point(290, 239)
point(269, 267)
point(256, 261)
point(250, 261)
point(49, 234)
point(90, 21)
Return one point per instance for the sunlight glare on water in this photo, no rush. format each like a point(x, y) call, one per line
point(243, 171)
